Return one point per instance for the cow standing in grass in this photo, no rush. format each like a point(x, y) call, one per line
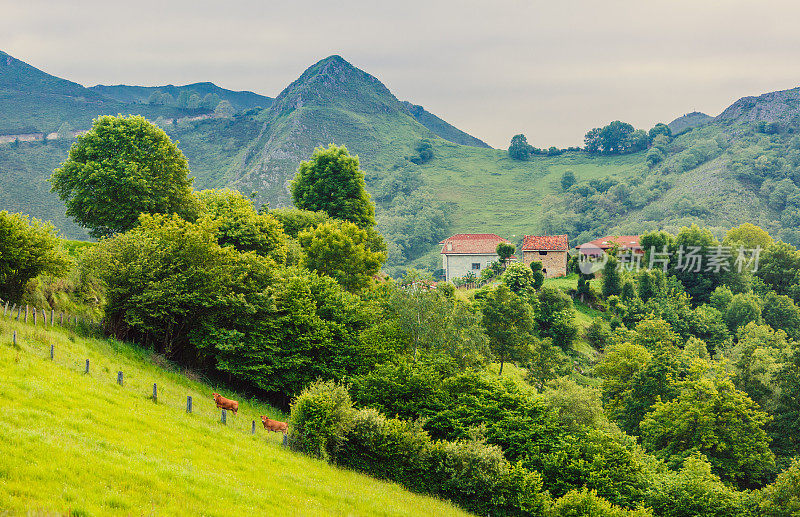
point(274, 425)
point(222, 402)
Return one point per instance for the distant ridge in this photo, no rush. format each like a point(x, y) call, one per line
point(689, 121)
point(442, 128)
point(769, 107)
point(241, 100)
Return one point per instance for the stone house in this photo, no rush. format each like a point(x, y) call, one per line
point(550, 250)
point(469, 252)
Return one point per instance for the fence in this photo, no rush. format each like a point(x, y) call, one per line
point(48, 318)
point(73, 320)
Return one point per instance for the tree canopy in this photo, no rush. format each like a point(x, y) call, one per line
point(123, 167)
point(331, 181)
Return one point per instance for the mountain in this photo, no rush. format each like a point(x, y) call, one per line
point(33, 101)
point(241, 100)
point(689, 121)
point(442, 128)
point(769, 107)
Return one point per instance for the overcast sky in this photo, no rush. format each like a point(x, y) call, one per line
point(549, 69)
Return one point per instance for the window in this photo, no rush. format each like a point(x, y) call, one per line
point(542, 253)
point(476, 265)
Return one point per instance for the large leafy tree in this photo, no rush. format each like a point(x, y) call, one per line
point(343, 251)
point(28, 248)
point(519, 148)
point(240, 226)
point(123, 167)
point(332, 181)
point(508, 322)
point(712, 417)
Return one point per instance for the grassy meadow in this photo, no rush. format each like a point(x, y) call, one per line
point(79, 444)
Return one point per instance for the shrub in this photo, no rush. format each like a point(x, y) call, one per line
point(586, 503)
point(321, 417)
point(470, 473)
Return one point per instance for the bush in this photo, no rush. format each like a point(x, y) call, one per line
point(321, 417)
point(470, 473)
point(586, 503)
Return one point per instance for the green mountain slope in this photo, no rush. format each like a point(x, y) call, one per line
point(442, 128)
point(77, 444)
point(241, 100)
point(32, 101)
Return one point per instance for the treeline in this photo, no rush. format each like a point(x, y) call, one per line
point(615, 138)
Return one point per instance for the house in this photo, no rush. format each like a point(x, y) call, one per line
point(602, 245)
point(550, 250)
point(469, 252)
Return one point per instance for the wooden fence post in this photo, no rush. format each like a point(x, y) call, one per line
point(253, 428)
point(11, 314)
point(52, 315)
point(19, 312)
point(52, 351)
point(119, 377)
point(14, 338)
point(224, 416)
point(188, 403)
point(155, 394)
point(87, 366)
point(34, 316)
point(26, 314)
point(285, 440)
point(61, 319)
point(5, 310)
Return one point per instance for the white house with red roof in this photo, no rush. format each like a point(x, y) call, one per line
point(469, 252)
point(550, 250)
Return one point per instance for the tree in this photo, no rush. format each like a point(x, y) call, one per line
point(183, 99)
point(518, 277)
point(612, 277)
point(123, 167)
point(344, 252)
point(758, 358)
point(748, 235)
point(699, 284)
point(333, 182)
point(504, 251)
point(556, 317)
point(712, 417)
point(779, 268)
point(781, 498)
point(28, 248)
point(240, 226)
point(567, 180)
point(743, 309)
point(508, 322)
point(780, 312)
point(519, 148)
point(538, 276)
point(615, 138)
point(224, 110)
point(295, 220)
point(659, 129)
point(653, 157)
point(194, 101)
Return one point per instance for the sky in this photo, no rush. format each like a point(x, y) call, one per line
point(548, 69)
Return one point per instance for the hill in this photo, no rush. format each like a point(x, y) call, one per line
point(442, 128)
point(689, 121)
point(80, 444)
point(241, 100)
point(32, 101)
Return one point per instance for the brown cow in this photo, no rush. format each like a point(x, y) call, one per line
point(274, 425)
point(224, 403)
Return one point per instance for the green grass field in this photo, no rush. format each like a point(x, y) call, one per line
point(79, 444)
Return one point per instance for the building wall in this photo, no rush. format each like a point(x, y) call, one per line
point(554, 262)
point(460, 265)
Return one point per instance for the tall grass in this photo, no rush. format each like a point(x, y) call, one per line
point(79, 444)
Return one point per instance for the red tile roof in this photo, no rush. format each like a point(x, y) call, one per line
point(606, 243)
point(545, 242)
point(472, 243)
